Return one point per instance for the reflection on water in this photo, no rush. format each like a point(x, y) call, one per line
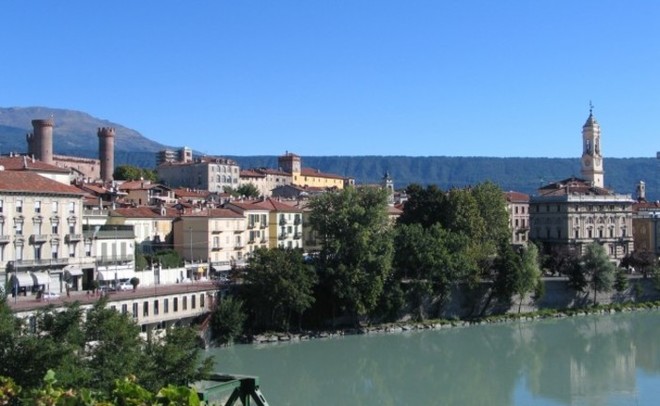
point(593, 360)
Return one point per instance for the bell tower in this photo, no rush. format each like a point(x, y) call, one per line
point(592, 160)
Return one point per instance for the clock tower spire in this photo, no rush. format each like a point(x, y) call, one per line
point(592, 160)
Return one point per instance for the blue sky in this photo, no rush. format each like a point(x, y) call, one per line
point(421, 78)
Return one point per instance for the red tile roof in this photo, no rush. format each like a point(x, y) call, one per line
point(572, 186)
point(516, 197)
point(200, 194)
point(30, 182)
point(24, 163)
point(221, 213)
point(311, 172)
point(144, 212)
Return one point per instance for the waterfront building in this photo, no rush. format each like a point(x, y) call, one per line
point(152, 225)
point(29, 164)
point(112, 247)
point(256, 213)
point(518, 209)
point(646, 222)
point(569, 214)
point(216, 236)
point(41, 239)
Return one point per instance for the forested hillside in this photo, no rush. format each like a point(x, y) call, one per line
point(519, 174)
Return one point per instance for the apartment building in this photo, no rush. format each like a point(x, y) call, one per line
point(41, 238)
point(216, 236)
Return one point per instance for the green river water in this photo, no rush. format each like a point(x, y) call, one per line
point(590, 360)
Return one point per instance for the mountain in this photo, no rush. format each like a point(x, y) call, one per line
point(518, 174)
point(75, 134)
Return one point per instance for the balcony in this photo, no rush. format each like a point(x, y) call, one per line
point(282, 221)
point(297, 221)
point(251, 225)
point(263, 225)
point(216, 248)
point(238, 246)
point(282, 236)
point(114, 259)
point(297, 236)
point(39, 262)
point(73, 237)
point(251, 241)
point(38, 238)
point(4, 239)
point(263, 240)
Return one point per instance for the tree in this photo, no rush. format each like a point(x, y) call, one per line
point(530, 277)
point(424, 206)
point(278, 284)
point(248, 190)
point(620, 280)
point(127, 172)
point(356, 247)
point(227, 320)
point(170, 360)
point(598, 267)
point(425, 261)
point(493, 210)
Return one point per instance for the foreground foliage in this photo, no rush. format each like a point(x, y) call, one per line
point(92, 349)
point(125, 391)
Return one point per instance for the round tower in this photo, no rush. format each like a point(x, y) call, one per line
point(107, 152)
point(42, 140)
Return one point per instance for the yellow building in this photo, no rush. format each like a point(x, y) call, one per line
point(291, 163)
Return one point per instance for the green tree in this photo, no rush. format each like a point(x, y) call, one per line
point(170, 360)
point(530, 277)
point(425, 262)
point(127, 172)
point(424, 206)
point(115, 350)
point(493, 210)
point(356, 247)
point(508, 274)
point(598, 268)
point(278, 285)
point(620, 280)
point(248, 190)
point(227, 320)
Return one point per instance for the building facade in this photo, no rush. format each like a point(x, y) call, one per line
point(41, 238)
point(209, 173)
point(518, 208)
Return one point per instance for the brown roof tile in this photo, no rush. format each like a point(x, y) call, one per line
point(30, 182)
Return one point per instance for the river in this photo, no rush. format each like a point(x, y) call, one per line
point(589, 360)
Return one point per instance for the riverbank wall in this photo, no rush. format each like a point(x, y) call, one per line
point(557, 295)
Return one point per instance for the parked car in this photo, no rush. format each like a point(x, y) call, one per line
point(124, 286)
point(50, 295)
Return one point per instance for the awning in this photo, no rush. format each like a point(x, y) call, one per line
point(112, 275)
point(22, 279)
point(40, 278)
point(70, 271)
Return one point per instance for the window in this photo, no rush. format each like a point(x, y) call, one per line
point(201, 300)
point(72, 207)
point(1, 205)
point(124, 308)
point(135, 310)
point(184, 304)
point(192, 301)
point(19, 228)
point(145, 309)
point(37, 206)
point(72, 250)
point(166, 305)
point(53, 250)
point(37, 251)
point(19, 253)
point(54, 207)
point(155, 307)
point(19, 206)
point(72, 228)
point(54, 228)
point(88, 249)
point(175, 304)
